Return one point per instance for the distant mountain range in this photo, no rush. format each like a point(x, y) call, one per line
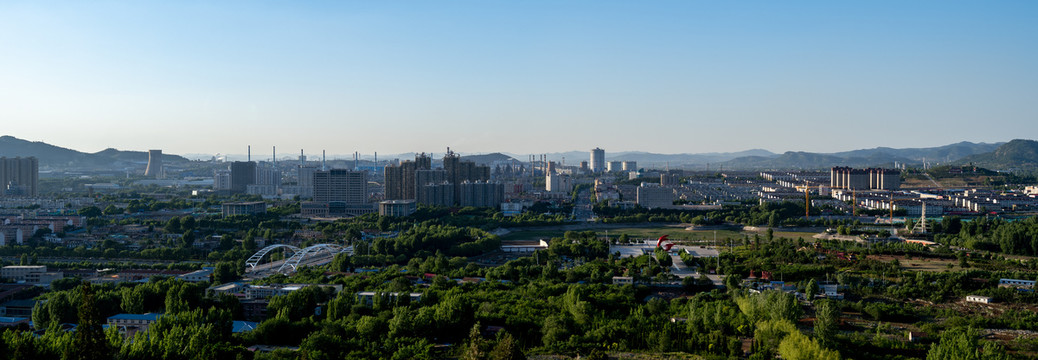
point(1016, 154)
point(56, 157)
point(876, 157)
point(758, 159)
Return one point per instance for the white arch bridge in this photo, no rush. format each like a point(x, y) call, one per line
point(311, 255)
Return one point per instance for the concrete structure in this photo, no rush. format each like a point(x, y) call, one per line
point(398, 208)
point(350, 187)
point(154, 168)
point(655, 196)
point(243, 208)
point(558, 183)
point(597, 160)
point(19, 177)
point(243, 174)
point(978, 299)
point(614, 166)
point(630, 166)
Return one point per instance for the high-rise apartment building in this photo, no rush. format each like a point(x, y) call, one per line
point(340, 185)
point(19, 176)
point(481, 194)
point(243, 174)
point(400, 179)
point(597, 160)
point(222, 179)
point(305, 180)
point(860, 179)
point(459, 172)
point(558, 183)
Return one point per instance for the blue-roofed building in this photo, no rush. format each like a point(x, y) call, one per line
point(129, 324)
point(243, 326)
point(9, 321)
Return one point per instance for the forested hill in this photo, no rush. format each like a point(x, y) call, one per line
point(51, 156)
point(1016, 154)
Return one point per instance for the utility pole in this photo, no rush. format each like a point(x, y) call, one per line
point(807, 202)
point(718, 253)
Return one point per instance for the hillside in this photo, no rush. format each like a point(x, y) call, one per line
point(486, 159)
point(944, 153)
point(810, 161)
point(1017, 154)
point(56, 157)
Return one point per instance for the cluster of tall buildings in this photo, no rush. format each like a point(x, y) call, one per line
point(864, 179)
point(462, 183)
point(598, 163)
point(19, 177)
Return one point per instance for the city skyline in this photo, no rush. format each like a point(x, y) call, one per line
point(540, 77)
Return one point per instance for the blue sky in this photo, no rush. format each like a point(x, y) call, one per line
point(519, 76)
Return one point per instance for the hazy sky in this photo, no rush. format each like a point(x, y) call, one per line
point(517, 76)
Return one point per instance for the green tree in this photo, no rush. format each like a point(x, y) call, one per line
point(506, 348)
point(811, 289)
point(827, 316)
point(797, 346)
point(478, 347)
point(112, 210)
point(224, 272)
point(964, 344)
point(89, 342)
point(90, 212)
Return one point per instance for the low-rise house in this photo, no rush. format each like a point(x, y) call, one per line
point(368, 297)
point(623, 280)
point(1016, 283)
point(978, 299)
point(130, 324)
point(203, 275)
